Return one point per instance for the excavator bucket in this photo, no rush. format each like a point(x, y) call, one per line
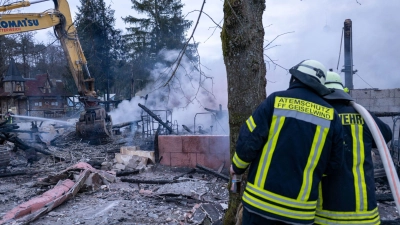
point(94, 124)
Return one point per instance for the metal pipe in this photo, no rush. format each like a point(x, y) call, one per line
point(348, 54)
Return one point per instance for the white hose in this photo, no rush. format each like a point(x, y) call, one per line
point(384, 153)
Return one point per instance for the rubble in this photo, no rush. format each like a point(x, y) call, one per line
point(105, 200)
point(159, 195)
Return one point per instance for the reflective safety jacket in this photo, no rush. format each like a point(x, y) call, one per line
point(348, 197)
point(290, 141)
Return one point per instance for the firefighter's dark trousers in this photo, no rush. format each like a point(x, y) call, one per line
point(254, 219)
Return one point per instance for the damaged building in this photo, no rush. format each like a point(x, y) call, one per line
point(38, 96)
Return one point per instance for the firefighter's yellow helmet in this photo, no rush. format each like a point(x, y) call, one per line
point(334, 81)
point(311, 68)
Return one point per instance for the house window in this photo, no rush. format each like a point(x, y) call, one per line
point(40, 103)
point(54, 103)
point(18, 87)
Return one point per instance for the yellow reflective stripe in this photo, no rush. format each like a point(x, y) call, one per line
point(268, 150)
point(348, 215)
point(358, 168)
point(334, 217)
point(313, 158)
point(282, 200)
point(324, 221)
point(239, 163)
point(320, 198)
point(251, 124)
point(264, 206)
point(362, 172)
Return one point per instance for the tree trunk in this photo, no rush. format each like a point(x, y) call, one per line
point(242, 44)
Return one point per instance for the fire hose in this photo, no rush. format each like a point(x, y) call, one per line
point(383, 152)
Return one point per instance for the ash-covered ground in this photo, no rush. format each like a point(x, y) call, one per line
point(195, 197)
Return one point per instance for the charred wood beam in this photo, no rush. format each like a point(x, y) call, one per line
point(215, 173)
point(183, 174)
point(156, 118)
point(127, 173)
point(22, 145)
point(156, 148)
point(386, 114)
point(384, 197)
point(187, 129)
point(120, 125)
point(138, 181)
point(13, 174)
point(390, 222)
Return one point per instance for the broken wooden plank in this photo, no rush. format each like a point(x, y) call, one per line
point(215, 173)
point(139, 181)
point(56, 202)
point(37, 203)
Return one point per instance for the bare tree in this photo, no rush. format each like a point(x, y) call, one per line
point(242, 43)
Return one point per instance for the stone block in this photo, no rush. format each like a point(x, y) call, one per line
point(122, 159)
point(380, 93)
point(397, 102)
point(364, 101)
point(219, 144)
point(381, 102)
point(183, 159)
point(361, 93)
point(397, 93)
point(124, 149)
point(213, 161)
point(141, 153)
point(166, 158)
point(375, 108)
point(170, 143)
point(199, 143)
point(394, 108)
point(392, 93)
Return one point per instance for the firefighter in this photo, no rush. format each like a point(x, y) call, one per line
point(348, 197)
point(288, 143)
point(9, 115)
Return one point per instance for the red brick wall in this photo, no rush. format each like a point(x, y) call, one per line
point(187, 151)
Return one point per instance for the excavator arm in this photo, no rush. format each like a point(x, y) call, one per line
point(60, 19)
point(94, 121)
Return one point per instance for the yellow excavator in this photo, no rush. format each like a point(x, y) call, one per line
point(94, 122)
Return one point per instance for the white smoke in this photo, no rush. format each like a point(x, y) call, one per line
point(188, 92)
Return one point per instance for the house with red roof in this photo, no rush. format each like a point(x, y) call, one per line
point(38, 96)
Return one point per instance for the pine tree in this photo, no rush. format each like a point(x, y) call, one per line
point(164, 27)
point(99, 39)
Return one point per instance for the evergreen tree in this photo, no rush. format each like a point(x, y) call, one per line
point(99, 39)
point(164, 27)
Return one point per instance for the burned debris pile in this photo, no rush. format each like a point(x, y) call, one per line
point(115, 181)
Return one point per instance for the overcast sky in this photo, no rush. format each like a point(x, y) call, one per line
point(316, 27)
